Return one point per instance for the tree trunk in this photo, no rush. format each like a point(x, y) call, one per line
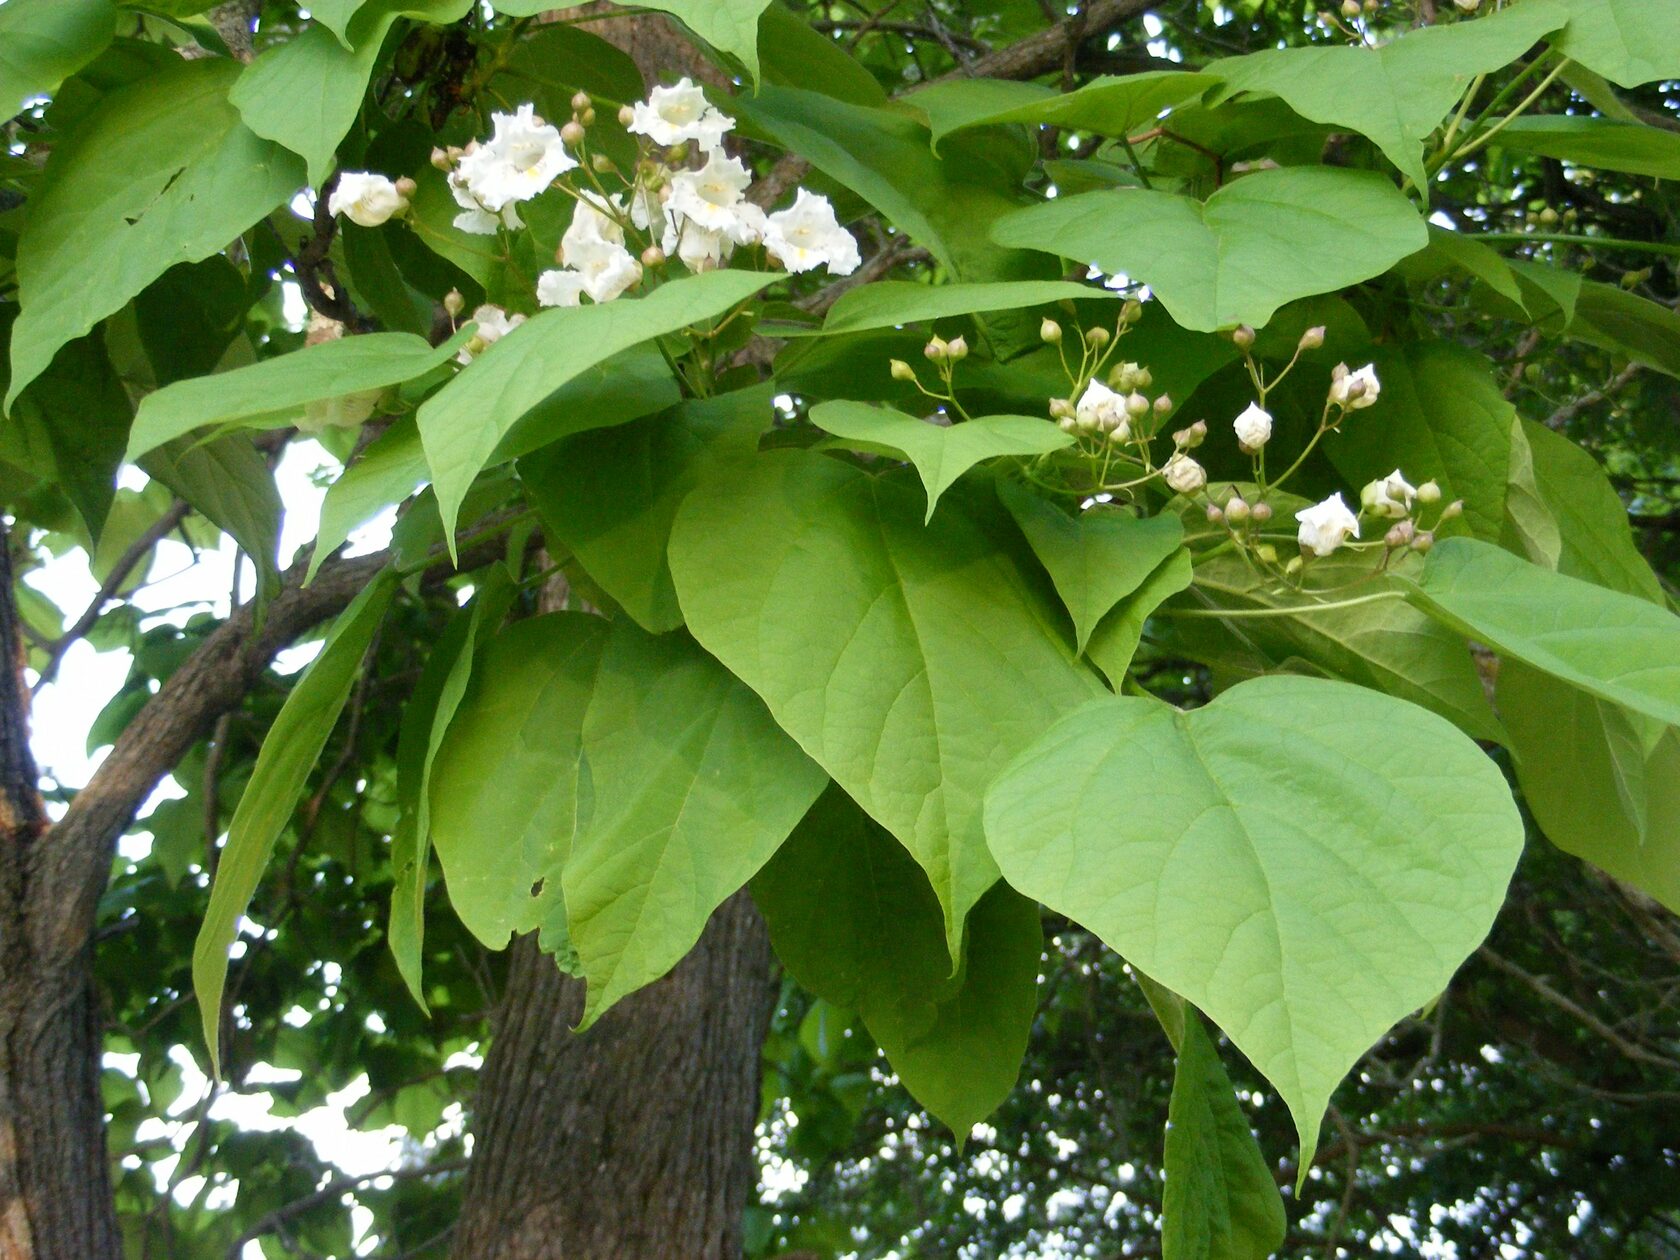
point(55, 1191)
point(633, 1140)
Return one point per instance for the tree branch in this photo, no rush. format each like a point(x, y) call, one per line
point(336, 1188)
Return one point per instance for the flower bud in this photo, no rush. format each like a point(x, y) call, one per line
point(1184, 474)
point(581, 101)
point(442, 160)
point(1163, 405)
point(454, 303)
point(1142, 379)
point(1260, 513)
point(653, 256)
point(1068, 424)
point(957, 349)
point(571, 135)
point(1266, 553)
point(1131, 311)
point(1423, 542)
point(476, 346)
point(1429, 492)
point(1061, 409)
point(937, 349)
point(626, 116)
point(1455, 508)
point(1137, 406)
point(1236, 509)
point(406, 187)
point(1050, 332)
point(1215, 513)
point(1119, 435)
point(902, 371)
point(1467, 6)
point(601, 162)
point(1352, 8)
point(1242, 336)
point(679, 151)
point(587, 118)
point(1313, 338)
point(1098, 337)
point(1295, 565)
point(1400, 535)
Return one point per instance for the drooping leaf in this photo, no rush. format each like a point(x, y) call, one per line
point(1096, 557)
point(464, 422)
point(819, 586)
point(161, 171)
point(288, 754)
point(888, 303)
point(609, 497)
point(854, 920)
point(1629, 42)
point(1220, 1201)
point(44, 42)
point(228, 482)
point(273, 392)
point(1398, 92)
point(1110, 105)
point(939, 453)
point(1117, 635)
point(1617, 647)
point(1531, 526)
point(1625, 323)
point(1270, 858)
point(1597, 142)
point(1263, 240)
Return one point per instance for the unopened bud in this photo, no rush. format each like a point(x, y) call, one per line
point(1260, 513)
point(1062, 409)
point(587, 118)
point(442, 160)
point(653, 256)
point(454, 303)
point(581, 101)
point(626, 116)
point(406, 187)
point(1423, 542)
point(902, 371)
point(1313, 338)
point(1429, 492)
point(1120, 435)
point(1068, 424)
point(1131, 312)
point(1215, 513)
point(1137, 406)
point(957, 348)
point(601, 162)
point(1050, 332)
point(1295, 565)
point(937, 349)
point(1266, 553)
point(1236, 509)
point(1098, 337)
point(1142, 378)
point(1455, 508)
point(1163, 405)
point(1633, 279)
point(476, 345)
point(1548, 217)
point(572, 134)
point(679, 151)
point(1242, 336)
point(1400, 535)
point(1351, 8)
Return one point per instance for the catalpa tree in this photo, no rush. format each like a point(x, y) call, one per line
point(885, 510)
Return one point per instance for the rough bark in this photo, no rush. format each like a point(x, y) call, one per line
point(632, 1140)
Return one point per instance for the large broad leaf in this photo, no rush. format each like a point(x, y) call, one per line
point(854, 920)
point(288, 754)
point(161, 171)
point(730, 26)
point(793, 54)
point(1617, 647)
point(888, 303)
point(1110, 105)
point(1600, 142)
point(940, 453)
point(1397, 93)
point(1627, 41)
point(304, 93)
point(609, 497)
point(1270, 858)
point(387, 472)
point(1097, 557)
point(44, 42)
point(1440, 416)
point(275, 391)
point(818, 585)
point(629, 776)
point(1220, 1201)
point(228, 482)
point(1117, 635)
point(1266, 239)
point(462, 424)
point(1625, 323)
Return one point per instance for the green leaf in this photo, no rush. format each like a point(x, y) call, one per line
point(1627, 41)
point(819, 586)
point(1110, 105)
point(1095, 557)
point(690, 788)
point(387, 472)
point(289, 752)
point(610, 496)
point(463, 423)
point(1482, 262)
point(44, 42)
point(1440, 416)
point(1263, 240)
point(161, 171)
point(275, 391)
point(1220, 1201)
point(1617, 647)
point(793, 54)
point(336, 16)
point(940, 453)
point(1270, 858)
point(228, 482)
point(1627, 324)
point(1531, 527)
point(854, 920)
point(888, 303)
point(1117, 636)
point(1598, 142)
point(730, 26)
point(1398, 92)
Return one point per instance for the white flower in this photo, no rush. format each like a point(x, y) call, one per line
point(1389, 496)
point(1354, 390)
point(807, 235)
point(700, 249)
point(1254, 427)
point(645, 209)
point(671, 115)
point(474, 218)
point(343, 412)
point(522, 158)
point(559, 288)
point(593, 246)
point(1100, 409)
point(1184, 474)
point(710, 196)
point(1327, 525)
point(366, 198)
point(608, 274)
point(493, 323)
